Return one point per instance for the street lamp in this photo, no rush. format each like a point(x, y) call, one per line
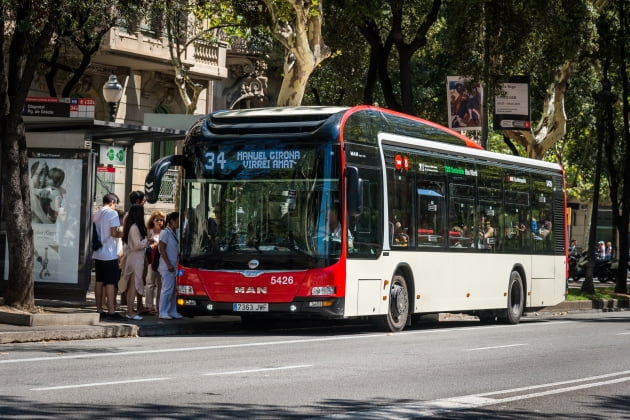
point(112, 92)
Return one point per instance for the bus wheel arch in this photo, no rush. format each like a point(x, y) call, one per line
point(516, 297)
point(399, 306)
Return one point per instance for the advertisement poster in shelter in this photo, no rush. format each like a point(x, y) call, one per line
point(56, 185)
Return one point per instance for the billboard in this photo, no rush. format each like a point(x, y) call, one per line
point(59, 188)
point(511, 110)
point(464, 97)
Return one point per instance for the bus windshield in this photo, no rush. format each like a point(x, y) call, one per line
point(265, 208)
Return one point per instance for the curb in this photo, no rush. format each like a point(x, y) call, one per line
point(45, 319)
point(65, 333)
point(608, 305)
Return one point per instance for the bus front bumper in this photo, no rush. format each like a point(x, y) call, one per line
point(300, 307)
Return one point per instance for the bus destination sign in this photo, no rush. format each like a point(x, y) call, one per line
point(261, 159)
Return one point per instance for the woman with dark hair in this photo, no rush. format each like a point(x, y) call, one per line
point(169, 245)
point(135, 241)
point(153, 279)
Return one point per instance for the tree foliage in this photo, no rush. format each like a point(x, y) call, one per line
point(76, 40)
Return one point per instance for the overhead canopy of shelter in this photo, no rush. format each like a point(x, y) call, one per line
point(103, 132)
point(72, 132)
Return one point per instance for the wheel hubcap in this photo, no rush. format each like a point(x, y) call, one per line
point(399, 300)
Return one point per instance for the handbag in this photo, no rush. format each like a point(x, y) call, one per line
point(155, 258)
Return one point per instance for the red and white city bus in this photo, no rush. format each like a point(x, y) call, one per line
point(343, 212)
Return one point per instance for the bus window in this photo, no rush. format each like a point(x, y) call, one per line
point(541, 199)
point(366, 228)
point(461, 219)
point(462, 215)
point(517, 231)
point(490, 196)
point(430, 213)
point(400, 209)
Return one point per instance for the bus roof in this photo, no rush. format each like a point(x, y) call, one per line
point(303, 120)
point(370, 122)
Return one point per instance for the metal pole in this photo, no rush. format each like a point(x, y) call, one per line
point(128, 175)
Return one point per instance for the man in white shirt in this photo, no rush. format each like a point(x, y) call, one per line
point(105, 258)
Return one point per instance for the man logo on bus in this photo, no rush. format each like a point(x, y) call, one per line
point(250, 290)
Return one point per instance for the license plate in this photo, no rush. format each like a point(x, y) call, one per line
point(251, 307)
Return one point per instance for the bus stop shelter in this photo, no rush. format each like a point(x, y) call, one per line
point(63, 162)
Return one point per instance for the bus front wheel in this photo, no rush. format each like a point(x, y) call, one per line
point(515, 300)
point(398, 310)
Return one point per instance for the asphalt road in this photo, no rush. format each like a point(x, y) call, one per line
point(574, 366)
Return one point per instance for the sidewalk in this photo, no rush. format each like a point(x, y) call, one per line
point(68, 320)
point(72, 320)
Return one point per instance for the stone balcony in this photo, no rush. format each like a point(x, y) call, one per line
point(142, 51)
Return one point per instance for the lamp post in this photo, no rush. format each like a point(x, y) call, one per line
point(112, 92)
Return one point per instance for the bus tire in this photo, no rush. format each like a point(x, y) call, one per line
point(398, 310)
point(515, 300)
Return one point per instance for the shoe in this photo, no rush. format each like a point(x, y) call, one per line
point(177, 316)
point(165, 317)
point(114, 316)
point(134, 317)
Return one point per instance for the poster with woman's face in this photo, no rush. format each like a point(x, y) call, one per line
point(56, 212)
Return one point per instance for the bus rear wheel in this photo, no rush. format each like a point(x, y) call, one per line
point(398, 311)
point(515, 300)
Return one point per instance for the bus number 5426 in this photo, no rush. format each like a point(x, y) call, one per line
point(281, 279)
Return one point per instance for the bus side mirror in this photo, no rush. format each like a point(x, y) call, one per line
point(153, 181)
point(354, 191)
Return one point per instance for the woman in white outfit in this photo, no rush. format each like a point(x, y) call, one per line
point(169, 244)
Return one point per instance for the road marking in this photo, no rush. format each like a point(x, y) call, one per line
point(496, 347)
point(276, 343)
point(626, 333)
point(237, 372)
point(466, 402)
point(131, 381)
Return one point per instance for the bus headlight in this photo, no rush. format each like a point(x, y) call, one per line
point(323, 290)
point(320, 303)
point(185, 290)
point(186, 302)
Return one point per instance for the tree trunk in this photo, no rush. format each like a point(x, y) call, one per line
point(304, 47)
point(17, 71)
point(17, 212)
point(622, 248)
point(296, 74)
point(406, 85)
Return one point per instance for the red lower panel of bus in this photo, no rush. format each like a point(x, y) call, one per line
point(258, 286)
